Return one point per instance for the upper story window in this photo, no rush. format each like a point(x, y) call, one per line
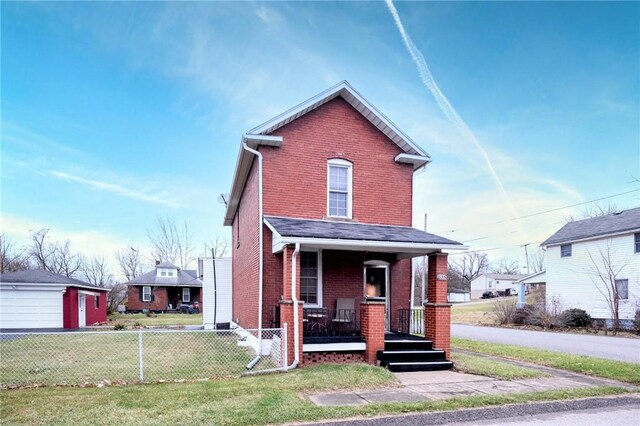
point(163, 273)
point(565, 250)
point(636, 237)
point(339, 188)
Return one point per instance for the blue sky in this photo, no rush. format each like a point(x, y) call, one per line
point(116, 113)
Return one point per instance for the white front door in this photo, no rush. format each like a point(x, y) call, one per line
point(82, 310)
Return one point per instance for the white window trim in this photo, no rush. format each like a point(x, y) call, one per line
point(146, 299)
point(349, 166)
point(319, 297)
point(186, 291)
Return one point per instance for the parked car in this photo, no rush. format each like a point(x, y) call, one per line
point(513, 292)
point(488, 295)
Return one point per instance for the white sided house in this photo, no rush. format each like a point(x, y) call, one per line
point(493, 283)
point(588, 260)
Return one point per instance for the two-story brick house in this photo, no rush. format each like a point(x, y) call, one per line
point(320, 209)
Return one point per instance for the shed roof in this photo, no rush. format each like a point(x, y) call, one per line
point(325, 229)
point(601, 226)
point(40, 276)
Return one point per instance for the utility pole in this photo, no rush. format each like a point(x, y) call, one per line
point(521, 301)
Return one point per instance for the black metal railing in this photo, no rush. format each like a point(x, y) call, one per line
point(411, 321)
point(329, 325)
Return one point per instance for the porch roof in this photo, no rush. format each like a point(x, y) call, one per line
point(326, 234)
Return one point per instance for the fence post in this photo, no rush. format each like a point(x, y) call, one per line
point(284, 342)
point(140, 354)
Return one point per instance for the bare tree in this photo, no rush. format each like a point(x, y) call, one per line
point(171, 243)
point(470, 265)
point(116, 296)
point(11, 258)
point(55, 257)
point(604, 271)
point(96, 272)
point(506, 266)
point(536, 261)
point(595, 209)
point(220, 247)
point(130, 262)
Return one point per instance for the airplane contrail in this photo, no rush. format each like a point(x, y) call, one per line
point(447, 108)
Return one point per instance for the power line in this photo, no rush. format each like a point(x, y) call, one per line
point(544, 212)
point(491, 249)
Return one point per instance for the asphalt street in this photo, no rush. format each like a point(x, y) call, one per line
point(624, 410)
point(615, 348)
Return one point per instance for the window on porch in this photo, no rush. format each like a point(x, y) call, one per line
point(186, 295)
point(309, 277)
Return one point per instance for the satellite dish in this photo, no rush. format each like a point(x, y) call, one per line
point(223, 198)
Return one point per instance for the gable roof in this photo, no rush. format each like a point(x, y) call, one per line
point(601, 226)
point(40, 276)
point(183, 278)
point(261, 135)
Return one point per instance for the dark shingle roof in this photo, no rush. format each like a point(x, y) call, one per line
point(40, 276)
point(627, 220)
point(305, 228)
point(182, 278)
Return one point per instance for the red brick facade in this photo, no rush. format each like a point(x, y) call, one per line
point(295, 185)
point(161, 299)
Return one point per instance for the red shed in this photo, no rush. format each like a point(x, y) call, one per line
point(42, 299)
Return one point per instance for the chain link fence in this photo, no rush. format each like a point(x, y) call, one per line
point(144, 356)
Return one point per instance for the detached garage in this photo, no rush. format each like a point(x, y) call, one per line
point(42, 299)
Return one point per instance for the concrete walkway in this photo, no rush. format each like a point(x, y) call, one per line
point(439, 385)
point(614, 348)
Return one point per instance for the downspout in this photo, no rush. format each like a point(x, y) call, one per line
point(260, 232)
point(260, 261)
point(294, 298)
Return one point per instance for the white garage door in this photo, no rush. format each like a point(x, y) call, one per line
point(30, 308)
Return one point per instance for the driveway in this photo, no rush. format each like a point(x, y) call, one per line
point(614, 348)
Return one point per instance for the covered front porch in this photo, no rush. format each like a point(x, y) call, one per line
point(349, 291)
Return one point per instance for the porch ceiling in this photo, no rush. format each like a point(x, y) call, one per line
point(331, 235)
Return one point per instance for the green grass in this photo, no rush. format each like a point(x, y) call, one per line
point(482, 366)
point(272, 399)
point(616, 370)
point(157, 320)
point(76, 358)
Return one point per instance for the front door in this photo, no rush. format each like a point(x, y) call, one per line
point(376, 286)
point(82, 310)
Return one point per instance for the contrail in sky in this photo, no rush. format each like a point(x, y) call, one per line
point(445, 106)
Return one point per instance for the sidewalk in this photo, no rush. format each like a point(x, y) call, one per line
point(440, 385)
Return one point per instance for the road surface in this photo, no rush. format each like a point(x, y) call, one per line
point(614, 348)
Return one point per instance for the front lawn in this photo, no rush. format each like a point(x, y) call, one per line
point(616, 370)
point(482, 366)
point(78, 358)
point(272, 399)
point(137, 320)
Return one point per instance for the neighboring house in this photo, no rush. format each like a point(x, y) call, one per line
point(537, 280)
point(165, 288)
point(493, 283)
point(580, 248)
point(216, 291)
point(41, 299)
point(321, 209)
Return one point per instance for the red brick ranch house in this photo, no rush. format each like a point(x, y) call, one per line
point(320, 209)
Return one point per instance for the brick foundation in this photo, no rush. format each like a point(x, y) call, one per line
point(315, 358)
